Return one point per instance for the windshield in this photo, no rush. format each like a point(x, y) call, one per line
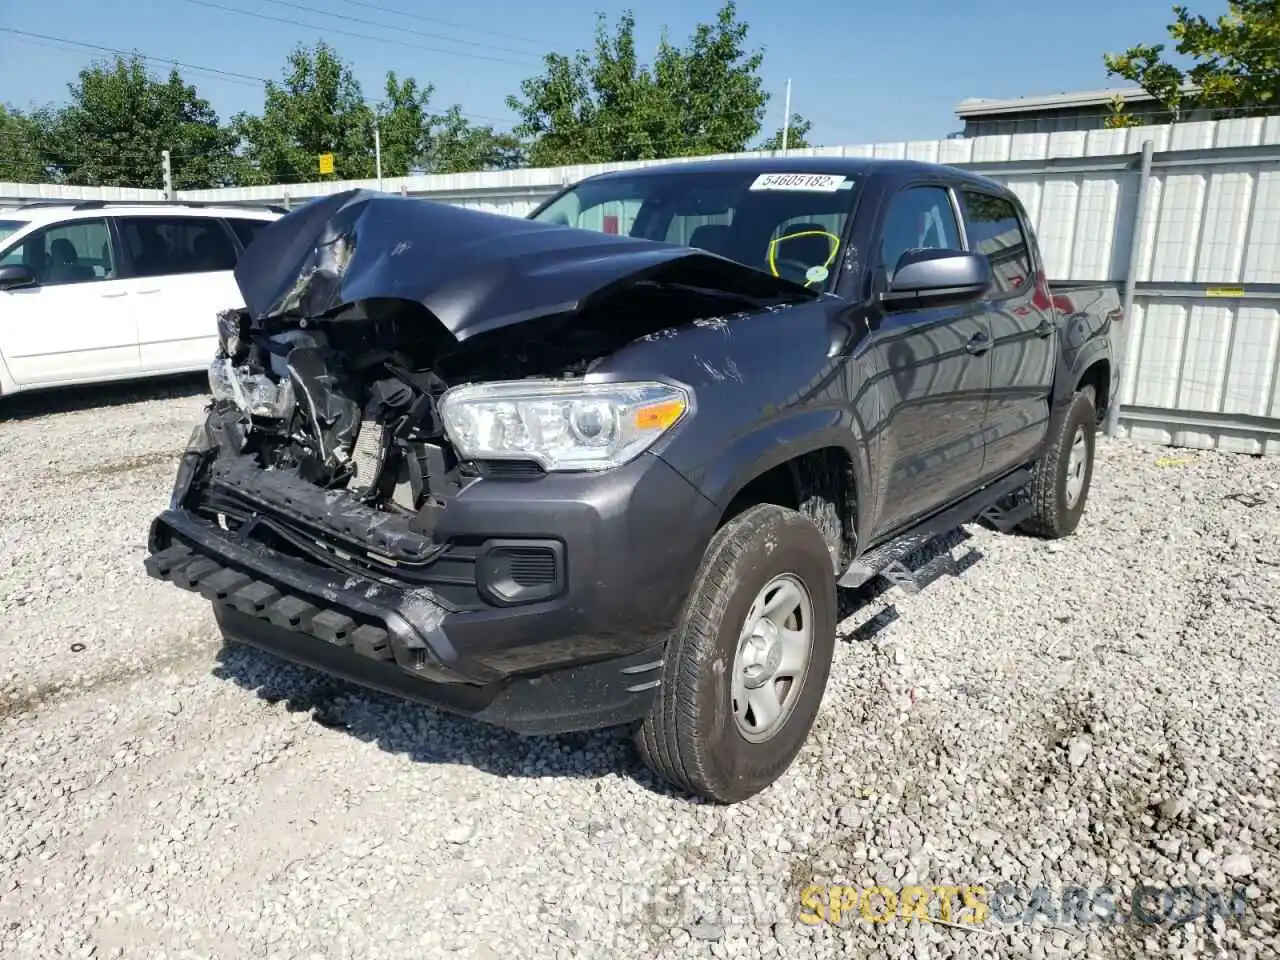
point(9, 227)
point(787, 224)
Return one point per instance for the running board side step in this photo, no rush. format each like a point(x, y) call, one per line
point(892, 559)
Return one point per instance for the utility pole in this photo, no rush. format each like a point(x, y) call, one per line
point(786, 116)
point(167, 170)
point(377, 150)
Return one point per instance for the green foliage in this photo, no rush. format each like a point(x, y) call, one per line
point(19, 157)
point(797, 135)
point(1117, 118)
point(1235, 61)
point(318, 108)
point(705, 97)
point(117, 122)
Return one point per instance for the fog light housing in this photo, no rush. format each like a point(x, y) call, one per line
point(511, 572)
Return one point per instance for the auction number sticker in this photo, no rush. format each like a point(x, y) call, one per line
point(820, 182)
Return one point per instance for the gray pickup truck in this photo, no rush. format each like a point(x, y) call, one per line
point(610, 464)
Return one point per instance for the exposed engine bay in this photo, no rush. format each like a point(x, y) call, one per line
point(326, 432)
point(355, 407)
point(352, 411)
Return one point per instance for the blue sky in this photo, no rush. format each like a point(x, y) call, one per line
point(863, 72)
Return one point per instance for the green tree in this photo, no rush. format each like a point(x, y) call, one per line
point(417, 140)
point(1235, 61)
point(459, 146)
point(797, 135)
point(1117, 118)
point(320, 108)
point(317, 108)
point(19, 148)
point(119, 120)
point(705, 97)
point(404, 122)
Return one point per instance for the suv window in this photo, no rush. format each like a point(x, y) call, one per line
point(8, 227)
point(246, 230)
point(919, 218)
point(994, 230)
point(163, 246)
point(73, 252)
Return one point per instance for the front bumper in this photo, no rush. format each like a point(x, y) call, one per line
point(590, 657)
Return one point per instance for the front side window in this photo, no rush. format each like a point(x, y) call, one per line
point(75, 252)
point(994, 230)
point(164, 246)
point(918, 218)
point(9, 227)
point(786, 224)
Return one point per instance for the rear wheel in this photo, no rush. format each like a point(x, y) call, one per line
point(1063, 475)
point(746, 669)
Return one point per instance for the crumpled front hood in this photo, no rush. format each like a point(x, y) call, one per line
point(474, 271)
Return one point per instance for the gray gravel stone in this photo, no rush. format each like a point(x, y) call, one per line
point(277, 812)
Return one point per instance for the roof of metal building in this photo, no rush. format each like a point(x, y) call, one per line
point(982, 107)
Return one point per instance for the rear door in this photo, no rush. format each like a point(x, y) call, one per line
point(181, 270)
point(932, 369)
point(1023, 330)
point(74, 324)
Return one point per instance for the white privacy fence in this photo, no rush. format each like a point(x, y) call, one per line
point(1203, 335)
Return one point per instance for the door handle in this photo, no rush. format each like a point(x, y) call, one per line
point(1044, 328)
point(113, 296)
point(153, 290)
point(978, 344)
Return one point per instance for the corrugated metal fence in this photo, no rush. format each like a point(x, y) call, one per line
point(1203, 355)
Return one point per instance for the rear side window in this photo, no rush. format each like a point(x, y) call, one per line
point(919, 218)
point(994, 230)
point(161, 246)
point(246, 230)
point(74, 252)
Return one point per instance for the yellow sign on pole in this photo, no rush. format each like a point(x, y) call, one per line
point(326, 163)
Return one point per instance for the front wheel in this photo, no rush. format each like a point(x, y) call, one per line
point(746, 668)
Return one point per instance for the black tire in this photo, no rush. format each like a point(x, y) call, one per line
point(690, 737)
point(1054, 515)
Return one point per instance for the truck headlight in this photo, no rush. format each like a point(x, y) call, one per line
point(254, 394)
point(561, 425)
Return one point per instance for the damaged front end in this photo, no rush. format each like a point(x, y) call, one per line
point(391, 354)
point(393, 351)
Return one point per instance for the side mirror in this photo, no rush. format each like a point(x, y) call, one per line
point(936, 276)
point(15, 275)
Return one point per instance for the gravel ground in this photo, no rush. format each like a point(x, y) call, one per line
point(1098, 712)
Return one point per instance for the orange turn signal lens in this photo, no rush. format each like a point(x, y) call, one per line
point(659, 416)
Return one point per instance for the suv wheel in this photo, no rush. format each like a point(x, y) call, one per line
point(747, 667)
point(1060, 487)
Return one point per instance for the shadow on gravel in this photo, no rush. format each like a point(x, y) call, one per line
point(42, 403)
point(428, 735)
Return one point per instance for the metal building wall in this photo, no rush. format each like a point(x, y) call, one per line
point(1203, 357)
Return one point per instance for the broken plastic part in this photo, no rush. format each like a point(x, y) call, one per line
point(254, 394)
point(333, 418)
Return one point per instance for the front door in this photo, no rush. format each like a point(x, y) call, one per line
point(182, 276)
point(75, 323)
point(932, 369)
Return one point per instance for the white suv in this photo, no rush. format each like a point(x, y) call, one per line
point(98, 290)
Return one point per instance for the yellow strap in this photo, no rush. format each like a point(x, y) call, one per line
point(773, 249)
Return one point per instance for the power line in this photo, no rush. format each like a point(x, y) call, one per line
point(305, 8)
point(447, 23)
point(225, 74)
point(358, 36)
